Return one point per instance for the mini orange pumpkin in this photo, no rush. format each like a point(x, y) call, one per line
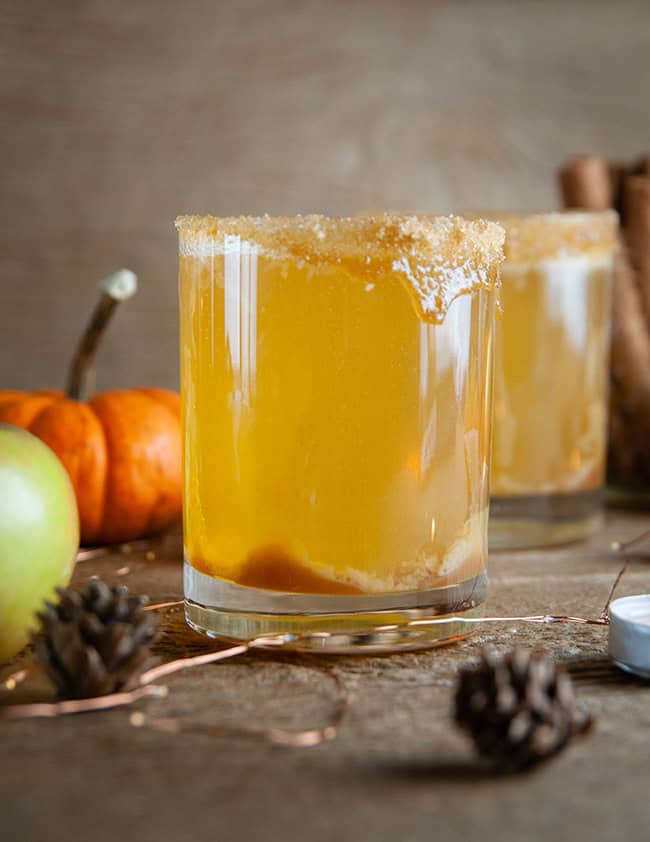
point(122, 449)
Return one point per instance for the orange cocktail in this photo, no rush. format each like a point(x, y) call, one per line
point(336, 392)
point(551, 377)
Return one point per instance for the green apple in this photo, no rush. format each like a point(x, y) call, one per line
point(39, 533)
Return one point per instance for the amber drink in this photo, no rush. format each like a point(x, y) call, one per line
point(336, 385)
point(551, 376)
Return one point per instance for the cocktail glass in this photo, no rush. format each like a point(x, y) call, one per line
point(551, 378)
point(336, 384)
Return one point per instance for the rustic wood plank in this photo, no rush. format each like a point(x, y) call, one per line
point(398, 769)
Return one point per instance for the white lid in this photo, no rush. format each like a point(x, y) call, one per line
point(629, 634)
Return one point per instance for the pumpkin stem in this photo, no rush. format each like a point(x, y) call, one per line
point(115, 288)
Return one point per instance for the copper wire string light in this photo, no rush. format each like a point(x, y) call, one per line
point(299, 738)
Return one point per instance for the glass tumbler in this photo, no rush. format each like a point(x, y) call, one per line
point(336, 385)
point(551, 378)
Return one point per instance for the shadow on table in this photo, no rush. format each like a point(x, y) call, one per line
point(448, 770)
point(597, 672)
point(440, 770)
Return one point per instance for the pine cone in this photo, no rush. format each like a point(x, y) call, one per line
point(95, 642)
point(519, 708)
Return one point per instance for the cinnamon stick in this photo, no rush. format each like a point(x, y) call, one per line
point(588, 182)
point(637, 233)
point(630, 342)
point(642, 166)
point(593, 183)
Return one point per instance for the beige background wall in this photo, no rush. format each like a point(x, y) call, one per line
point(117, 115)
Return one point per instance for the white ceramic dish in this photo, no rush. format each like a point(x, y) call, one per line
point(629, 634)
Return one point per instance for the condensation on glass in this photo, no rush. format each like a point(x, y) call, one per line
point(336, 385)
point(551, 378)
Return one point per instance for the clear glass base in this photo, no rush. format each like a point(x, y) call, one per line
point(331, 624)
point(543, 520)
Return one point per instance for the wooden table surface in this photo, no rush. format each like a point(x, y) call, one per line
point(398, 770)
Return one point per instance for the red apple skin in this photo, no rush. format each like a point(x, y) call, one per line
point(39, 533)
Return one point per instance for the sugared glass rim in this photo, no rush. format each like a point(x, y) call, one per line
point(551, 235)
point(441, 257)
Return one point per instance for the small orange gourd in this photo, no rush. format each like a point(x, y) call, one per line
point(122, 448)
